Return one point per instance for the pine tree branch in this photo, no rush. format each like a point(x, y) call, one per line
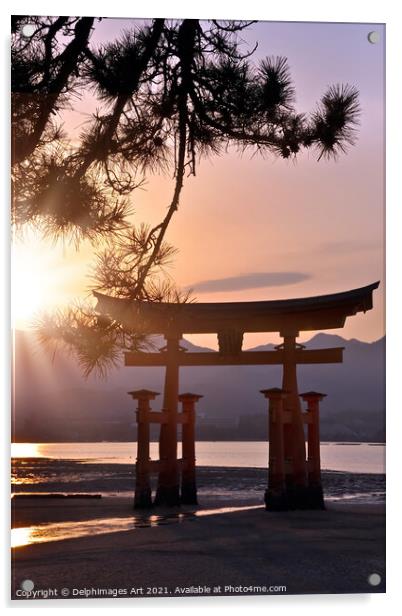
point(24, 148)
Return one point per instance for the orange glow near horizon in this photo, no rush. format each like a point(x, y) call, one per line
point(25, 450)
point(48, 276)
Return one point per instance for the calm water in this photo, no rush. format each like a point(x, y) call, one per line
point(346, 457)
point(43, 533)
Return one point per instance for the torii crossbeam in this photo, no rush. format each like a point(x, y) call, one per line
point(230, 321)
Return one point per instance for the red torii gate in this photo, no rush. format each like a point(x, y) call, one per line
point(294, 481)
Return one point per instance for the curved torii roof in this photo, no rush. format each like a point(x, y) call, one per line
point(286, 315)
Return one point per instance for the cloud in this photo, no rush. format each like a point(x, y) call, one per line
point(254, 280)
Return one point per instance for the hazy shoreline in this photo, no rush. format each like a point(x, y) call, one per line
point(234, 483)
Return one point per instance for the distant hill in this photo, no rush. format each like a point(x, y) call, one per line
point(53, 402)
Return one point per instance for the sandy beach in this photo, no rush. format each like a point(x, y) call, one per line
point(332, 551)
point(91, 546)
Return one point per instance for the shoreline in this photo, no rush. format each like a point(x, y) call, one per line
point(331, 551)
point(233, 483)
point(229, 539)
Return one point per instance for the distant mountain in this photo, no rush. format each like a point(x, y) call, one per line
point(53, 402)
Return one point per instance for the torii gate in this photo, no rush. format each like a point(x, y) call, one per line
point(294, 481)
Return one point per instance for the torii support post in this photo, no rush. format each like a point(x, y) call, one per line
point(294, 440)
point(143, 493)
point(168, 492)
point(275, 497)
point(188, 479)
point(313, 399)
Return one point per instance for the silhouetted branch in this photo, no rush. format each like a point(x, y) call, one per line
point(169, 93)
point(176, 91)
point(95, 342)
point(52, 86)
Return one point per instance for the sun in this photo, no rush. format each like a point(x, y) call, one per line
point(24, 450)
point(29, 284)
point(44, 276)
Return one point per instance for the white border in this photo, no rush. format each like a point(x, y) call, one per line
point(291, 10)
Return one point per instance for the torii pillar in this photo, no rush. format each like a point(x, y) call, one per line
point(143, 493)
point(313, 399)
point(188, 480)
point(294, 439)
point(276, 497)
point(168, 490)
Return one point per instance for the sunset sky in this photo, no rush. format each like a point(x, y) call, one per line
point(250, 228)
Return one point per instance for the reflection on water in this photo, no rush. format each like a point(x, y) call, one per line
point(25, 450)
point(21, 536)
point(26, 479)
point(72, 530)
point(343, 457)
point(358, 497)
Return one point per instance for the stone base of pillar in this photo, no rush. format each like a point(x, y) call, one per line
point(275, 501)
point(299, 497)
point(295, 497)
point(189, 493)
point(306, 497)
point(143, 499)
point(167, 496)
point(315, 497)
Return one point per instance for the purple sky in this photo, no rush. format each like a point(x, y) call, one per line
point(250, 228)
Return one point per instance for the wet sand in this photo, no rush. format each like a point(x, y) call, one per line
point(332, 551)
point(41, 475)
